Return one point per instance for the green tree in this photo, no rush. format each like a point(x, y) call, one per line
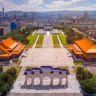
point(7, 78)
point(89, 85)
point(4, 89)
point(12, 72)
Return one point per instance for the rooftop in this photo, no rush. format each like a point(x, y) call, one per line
point(86, 45)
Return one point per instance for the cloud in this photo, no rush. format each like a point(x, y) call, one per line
point(61, 4)
point(40, 5)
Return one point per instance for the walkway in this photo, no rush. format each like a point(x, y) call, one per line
point(60, 42)
point(48, 42)
point(35, 42)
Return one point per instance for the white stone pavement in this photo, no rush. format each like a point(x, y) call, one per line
point(47, 43)
point(47, 57)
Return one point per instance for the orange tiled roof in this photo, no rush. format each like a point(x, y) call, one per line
point(9, 43)
point(86, 45)
point(18, 49)
point(10, 47)
point(6, 53)
point(76, 51)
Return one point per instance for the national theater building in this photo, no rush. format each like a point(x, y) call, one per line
point(84, 49)
point(10, 48)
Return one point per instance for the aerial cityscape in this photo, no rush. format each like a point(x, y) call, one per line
point(47, 48)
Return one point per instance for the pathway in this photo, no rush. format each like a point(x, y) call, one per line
point(60, 42)
point(48, 42)
point(35, 42)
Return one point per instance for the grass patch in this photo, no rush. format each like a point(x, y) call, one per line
point(78, 63)
point(38, 46)
point(30, 67)
point(63, 39)
point(57, 46)
point(63, 67)
point(40, 40)
point(32, 39)
point(55, 41)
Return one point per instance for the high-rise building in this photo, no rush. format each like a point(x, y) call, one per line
point(3, 12)
point(13, 25)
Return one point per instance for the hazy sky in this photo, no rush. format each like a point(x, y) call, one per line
point(47, 5)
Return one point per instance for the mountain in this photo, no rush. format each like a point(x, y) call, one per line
point(49, 13)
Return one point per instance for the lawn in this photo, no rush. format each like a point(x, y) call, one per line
point(32, 39)
point(40, 42)
point(63, 39)
point(55, 41)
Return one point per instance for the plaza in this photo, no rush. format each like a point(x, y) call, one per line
point(47, 83)
point(47, 57)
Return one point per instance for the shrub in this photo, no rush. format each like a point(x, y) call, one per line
point(89, 85)
point(12, 72)
point(4, 89)
point(7, 78)
point(1, 69)
point(82, 73)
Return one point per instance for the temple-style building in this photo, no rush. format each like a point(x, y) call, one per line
point(84, 49)
point(10, 48)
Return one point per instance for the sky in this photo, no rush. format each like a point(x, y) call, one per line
point(48, 5)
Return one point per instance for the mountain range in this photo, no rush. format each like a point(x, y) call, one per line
point(49, 13)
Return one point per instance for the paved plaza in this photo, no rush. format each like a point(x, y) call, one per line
point(47, 56)
point(47, 43)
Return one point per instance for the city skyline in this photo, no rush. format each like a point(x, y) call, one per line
point(48, 5)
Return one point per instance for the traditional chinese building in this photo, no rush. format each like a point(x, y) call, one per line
point(10, 48)
point(84, 49)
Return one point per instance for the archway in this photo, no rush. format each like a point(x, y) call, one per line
point(36, 81)
point(29, 81)
point(46, 80)
point(63, 81)
point(56, 81)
